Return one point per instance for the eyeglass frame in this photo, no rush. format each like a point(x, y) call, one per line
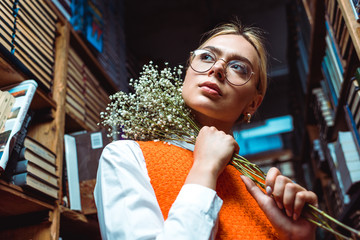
point(216, 60)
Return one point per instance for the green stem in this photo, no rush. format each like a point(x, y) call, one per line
point(334, 220)
point(328, 229)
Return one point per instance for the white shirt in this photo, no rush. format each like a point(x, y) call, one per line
point(127, 207)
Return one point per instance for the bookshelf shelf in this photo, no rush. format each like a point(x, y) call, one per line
point(32, 215)
point(15, 201)
point(332, 132)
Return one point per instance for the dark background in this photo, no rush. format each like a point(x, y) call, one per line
point(167, 30)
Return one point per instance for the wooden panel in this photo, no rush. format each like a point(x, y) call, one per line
point(15, 201)
point(351, 23)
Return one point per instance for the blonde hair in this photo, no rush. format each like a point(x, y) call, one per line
point(254, 36)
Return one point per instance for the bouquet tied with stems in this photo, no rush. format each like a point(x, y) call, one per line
point(155, 111)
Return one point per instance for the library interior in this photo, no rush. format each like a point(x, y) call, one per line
point(60, 60)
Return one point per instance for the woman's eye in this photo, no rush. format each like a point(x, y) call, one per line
point(239, 67)
point(207, 57)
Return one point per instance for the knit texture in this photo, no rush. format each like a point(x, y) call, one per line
point(240, 216)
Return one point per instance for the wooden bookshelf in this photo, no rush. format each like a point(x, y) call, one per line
point(331, 22)
point(27, 214)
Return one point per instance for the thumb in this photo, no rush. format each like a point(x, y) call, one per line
point(254, 190)
point(266, 203)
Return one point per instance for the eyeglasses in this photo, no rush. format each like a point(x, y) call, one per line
point(237, 72)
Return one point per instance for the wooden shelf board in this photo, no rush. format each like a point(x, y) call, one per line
point(10, 75)
point(15, 201)
point(41, 101)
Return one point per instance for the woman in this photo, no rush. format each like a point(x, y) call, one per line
point(140, 184)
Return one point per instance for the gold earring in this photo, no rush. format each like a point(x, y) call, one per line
point(248, 117)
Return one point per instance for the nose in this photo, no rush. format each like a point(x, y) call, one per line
point(218, 69)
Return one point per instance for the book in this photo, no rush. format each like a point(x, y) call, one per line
point(40, 150)
point(6, 102)
point(348, 161)
point(39, 161)
point(23, 93)
point(31, 168)
point(83, 149)
point(28, 181)
point(355, 103)
point(86, 18)
point(354, 86)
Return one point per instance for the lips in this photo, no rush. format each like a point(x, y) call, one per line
point(211, 88)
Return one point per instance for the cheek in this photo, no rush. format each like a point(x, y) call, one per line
point(186, 89)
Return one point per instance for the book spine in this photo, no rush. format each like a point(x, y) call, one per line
point(35, 148)
point(21, 166)
point(30, 87)
point(26, 166)
point(24, 180)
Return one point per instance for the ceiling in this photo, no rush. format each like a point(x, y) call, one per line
point(167, 30)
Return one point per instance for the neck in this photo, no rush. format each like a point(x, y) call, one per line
point(212, 122)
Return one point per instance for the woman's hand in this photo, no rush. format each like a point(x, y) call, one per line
point(283, 205)
point(213, 151)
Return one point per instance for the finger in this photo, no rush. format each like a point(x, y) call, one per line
point(266, 203)
point(270, 179)
point(254, 190)
point(289, 198)
point(279, 188)
point(301, 198)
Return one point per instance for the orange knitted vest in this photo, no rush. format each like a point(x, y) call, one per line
point(240, 217)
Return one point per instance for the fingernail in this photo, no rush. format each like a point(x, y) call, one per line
point(268, 190)
point(279, 205)
point(288, 213)
point(295, 216)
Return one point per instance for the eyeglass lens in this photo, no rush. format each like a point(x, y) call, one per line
point(237, 72)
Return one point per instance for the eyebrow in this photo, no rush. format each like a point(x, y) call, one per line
point(217, 51)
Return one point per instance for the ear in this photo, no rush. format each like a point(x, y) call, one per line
point(254, 104)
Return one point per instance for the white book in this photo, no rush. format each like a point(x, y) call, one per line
point(72, 172)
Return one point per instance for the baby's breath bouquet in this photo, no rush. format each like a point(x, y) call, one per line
point(155, 111)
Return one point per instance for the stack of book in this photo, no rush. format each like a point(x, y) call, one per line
point(36, 168)
point(348, 161)
point(332, 67)
point(338, 31)
point(28, 31)
point(323, 111)
point(85, 99)
point(336, 187)
point(23, 94)
point(23, 160)
point(352, 111)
